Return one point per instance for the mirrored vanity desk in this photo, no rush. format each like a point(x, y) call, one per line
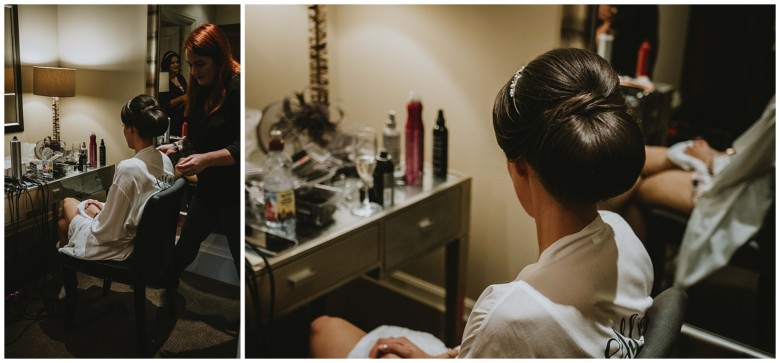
point(423, 219)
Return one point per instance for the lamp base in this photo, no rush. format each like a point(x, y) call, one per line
point(46, 148)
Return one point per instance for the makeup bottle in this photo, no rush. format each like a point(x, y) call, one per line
point(391, 141)
point(440, 151)
point(83, 157)
point(102, 153)
point(384, 182)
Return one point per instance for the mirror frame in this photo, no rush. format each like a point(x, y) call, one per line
point(18, 126)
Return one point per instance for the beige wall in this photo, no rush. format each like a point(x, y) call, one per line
point(456, 58)
point(275, 50)
point(107, 46)
point(672, 32)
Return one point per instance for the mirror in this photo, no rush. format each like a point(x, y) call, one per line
point(13, 73)
point(168, 27)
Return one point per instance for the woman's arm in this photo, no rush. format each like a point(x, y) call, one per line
point(195, 163)
point(110, 223)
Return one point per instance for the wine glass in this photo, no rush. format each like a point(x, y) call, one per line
point(364, 151)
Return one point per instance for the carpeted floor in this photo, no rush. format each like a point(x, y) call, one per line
point(206, 324)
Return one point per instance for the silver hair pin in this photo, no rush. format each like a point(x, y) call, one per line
point(513, 85)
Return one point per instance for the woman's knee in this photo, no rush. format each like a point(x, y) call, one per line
point(326, 323)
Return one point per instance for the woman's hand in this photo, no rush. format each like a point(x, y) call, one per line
point(193, 164)
point(703, 151)
point(396, 348)
point(92, 207)
point(167, 149)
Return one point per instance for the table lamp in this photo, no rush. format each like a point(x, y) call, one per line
point(55, 83)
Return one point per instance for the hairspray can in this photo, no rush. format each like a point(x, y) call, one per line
point(16, 159)
point(414, 141)
point(92, 150)
point(102, 153)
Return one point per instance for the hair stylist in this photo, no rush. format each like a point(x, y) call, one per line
point(212, 144)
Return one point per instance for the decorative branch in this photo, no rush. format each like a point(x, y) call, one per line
point(318, 55)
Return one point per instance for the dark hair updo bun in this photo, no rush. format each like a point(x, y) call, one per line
point(568, 119)
point(145, 115)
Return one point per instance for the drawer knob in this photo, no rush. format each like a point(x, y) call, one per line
point(425, 225)
point(300, 277)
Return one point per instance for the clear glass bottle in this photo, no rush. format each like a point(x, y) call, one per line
point(278, 188)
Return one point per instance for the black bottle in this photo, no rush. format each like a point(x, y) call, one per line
point(440, 151)
point(83, 157)
point(382, 192)
point(102, 153)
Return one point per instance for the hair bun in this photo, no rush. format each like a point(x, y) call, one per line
point(587, 103)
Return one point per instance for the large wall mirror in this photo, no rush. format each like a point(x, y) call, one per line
point(168, 27)
point(13, 73)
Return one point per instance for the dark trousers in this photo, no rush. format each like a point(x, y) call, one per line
point(204, 215)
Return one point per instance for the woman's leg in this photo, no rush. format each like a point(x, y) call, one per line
point(333, 337)
point(670, 189)
point(656, 160)
point(70, 209)
point(202, 219)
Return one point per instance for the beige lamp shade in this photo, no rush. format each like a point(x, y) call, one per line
point(9, 80)
point(54, 82)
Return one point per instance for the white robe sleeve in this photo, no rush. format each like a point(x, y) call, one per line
point(111, 224)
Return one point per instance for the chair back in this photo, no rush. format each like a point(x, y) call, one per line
point(665, 319)
point(155, 239)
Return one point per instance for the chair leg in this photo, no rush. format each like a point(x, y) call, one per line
point(69, 281)
point(139, 294)
point(106, 287)
point(170, 291)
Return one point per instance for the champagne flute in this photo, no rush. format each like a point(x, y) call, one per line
point(365, 151)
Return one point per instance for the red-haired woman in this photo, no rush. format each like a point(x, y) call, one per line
point(212, 144)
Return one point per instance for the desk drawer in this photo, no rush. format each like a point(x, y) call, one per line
point(322, 270)
point(423, 227)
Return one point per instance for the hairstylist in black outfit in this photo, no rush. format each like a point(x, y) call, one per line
point(213, 109)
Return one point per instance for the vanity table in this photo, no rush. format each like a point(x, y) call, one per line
point(423, 219)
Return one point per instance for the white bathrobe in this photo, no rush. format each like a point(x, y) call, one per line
point(732, 211)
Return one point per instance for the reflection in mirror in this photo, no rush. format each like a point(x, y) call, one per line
point(167, 75)
point(13, 73)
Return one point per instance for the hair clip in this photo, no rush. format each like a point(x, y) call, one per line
point(513, 85)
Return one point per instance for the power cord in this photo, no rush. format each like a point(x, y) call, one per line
point(256, 295)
